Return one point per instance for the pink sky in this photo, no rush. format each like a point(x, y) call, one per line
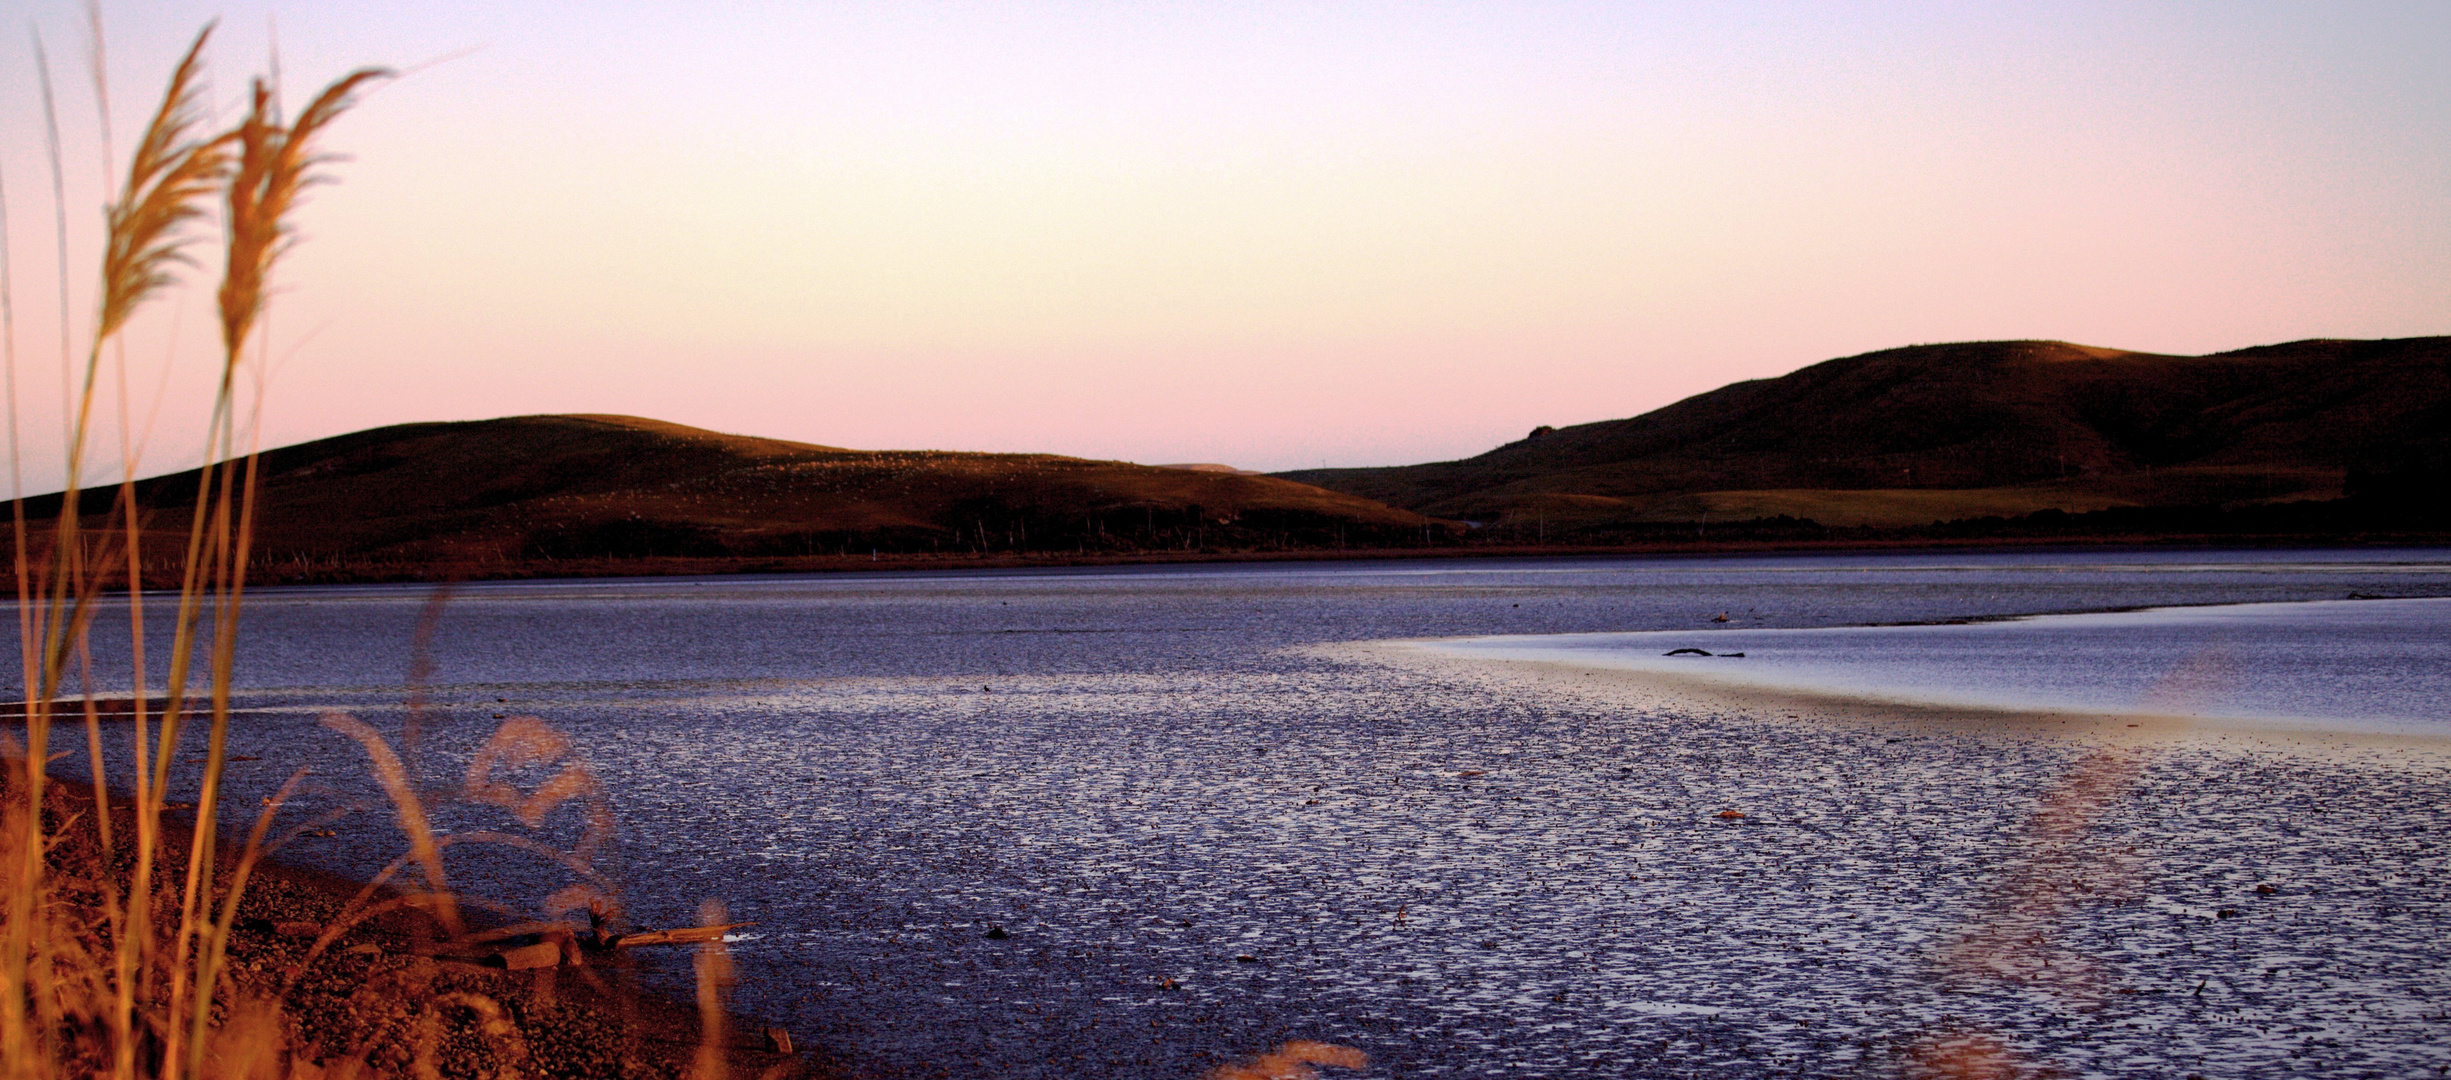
point(1278, 236)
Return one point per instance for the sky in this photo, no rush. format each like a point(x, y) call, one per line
point(1271, 235)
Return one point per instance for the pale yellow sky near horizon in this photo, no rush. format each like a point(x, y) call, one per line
point(1278, 236)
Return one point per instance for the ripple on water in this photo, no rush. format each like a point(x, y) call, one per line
point(1465, 879)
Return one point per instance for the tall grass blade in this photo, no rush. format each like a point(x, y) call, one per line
point(11, 1028)
point(58, 976)
point(273, 164)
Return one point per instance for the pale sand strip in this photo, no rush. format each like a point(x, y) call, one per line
point(1619, 687)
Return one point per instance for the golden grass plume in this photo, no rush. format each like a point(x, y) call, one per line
point(116, 960)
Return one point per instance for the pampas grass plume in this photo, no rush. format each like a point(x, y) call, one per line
point(170, 174)
point(275, 164)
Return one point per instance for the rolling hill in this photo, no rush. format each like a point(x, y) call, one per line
point(554, 489)
point(1930, 433)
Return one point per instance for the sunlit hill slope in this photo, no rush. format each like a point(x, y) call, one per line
point(1930, 433)
point(548, 489)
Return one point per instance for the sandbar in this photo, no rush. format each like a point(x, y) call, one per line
point(1702, 694)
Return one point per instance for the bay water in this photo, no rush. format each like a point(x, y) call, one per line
point(1200, 821)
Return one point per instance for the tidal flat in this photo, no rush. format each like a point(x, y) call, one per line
point(1138, 823)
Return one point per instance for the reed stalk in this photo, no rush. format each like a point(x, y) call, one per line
point(173, 171)
point(275, 164)
point(130, 990)
point(170, 173)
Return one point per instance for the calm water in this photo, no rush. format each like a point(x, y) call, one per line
point(1204, 836)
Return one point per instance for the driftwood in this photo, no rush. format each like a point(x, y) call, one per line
point(105, 707)
point(686, 935)
point(564, 949)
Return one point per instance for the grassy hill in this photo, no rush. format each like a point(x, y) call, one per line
point(1928, 433)
point(544, 490)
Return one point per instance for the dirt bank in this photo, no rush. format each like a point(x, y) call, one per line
point(384, 994)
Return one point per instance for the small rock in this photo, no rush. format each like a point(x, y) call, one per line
point(996, 933)
point(2265, 890)
point(778, 1041)
point(1731, 815)
point(1246, 958)
point(2226, 913)
point(541, 955)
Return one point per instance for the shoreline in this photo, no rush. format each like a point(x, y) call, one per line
point(441, 571)
point(1707, 696)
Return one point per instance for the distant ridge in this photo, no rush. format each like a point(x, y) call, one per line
point(552, 489)
point(1984, 442)
point(1928, 433)
point(1213, 467)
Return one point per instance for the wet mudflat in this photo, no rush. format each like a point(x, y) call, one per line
point(1204, 825)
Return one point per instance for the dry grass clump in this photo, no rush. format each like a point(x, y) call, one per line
point(325, 978)
point(70, 997)
point(118, 927)
point(101, 971)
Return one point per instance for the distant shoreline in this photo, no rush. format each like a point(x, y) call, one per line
point(581, 569)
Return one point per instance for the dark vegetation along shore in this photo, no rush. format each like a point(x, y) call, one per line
point(1983, 443)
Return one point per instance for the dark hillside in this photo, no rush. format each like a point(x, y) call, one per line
point(1930, 432)
point(540, 489)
